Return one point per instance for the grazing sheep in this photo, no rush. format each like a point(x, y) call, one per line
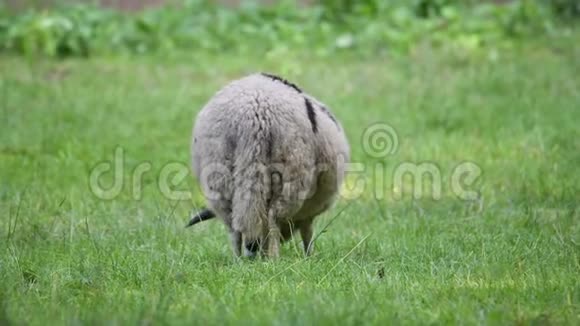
point(270, 158)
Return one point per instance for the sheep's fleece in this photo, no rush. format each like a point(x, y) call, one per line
point(269, 158)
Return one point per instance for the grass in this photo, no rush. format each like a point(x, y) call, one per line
point(510, 257)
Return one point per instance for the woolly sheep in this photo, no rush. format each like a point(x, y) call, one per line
point(269, 158)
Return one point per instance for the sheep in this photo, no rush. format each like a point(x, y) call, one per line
point(269, 158)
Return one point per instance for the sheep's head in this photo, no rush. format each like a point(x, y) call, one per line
point(252, 248)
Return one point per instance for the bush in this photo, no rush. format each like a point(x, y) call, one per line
point(328, 26)
point(566, 8)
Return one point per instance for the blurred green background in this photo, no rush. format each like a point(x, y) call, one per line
point(83, 28)
point(493, 83)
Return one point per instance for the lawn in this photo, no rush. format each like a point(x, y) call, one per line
point(509, 253)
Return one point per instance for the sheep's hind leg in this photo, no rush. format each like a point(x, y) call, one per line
point(306, 235)
point(274, 234)
point(236, 239)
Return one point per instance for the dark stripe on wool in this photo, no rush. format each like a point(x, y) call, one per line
point(283, 81)
point(311, 114)
point(327, 112)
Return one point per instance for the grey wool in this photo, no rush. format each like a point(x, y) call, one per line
point(269, 158)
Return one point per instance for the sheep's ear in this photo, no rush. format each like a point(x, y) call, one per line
point(205, 214)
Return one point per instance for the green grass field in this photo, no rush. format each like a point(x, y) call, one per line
point(511, 256)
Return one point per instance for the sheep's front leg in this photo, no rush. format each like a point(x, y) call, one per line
point(236, 239)
point(306, 235)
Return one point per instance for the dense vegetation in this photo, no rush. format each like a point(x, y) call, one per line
point(371, 26)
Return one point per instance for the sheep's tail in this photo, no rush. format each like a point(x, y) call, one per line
point(251, 179)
